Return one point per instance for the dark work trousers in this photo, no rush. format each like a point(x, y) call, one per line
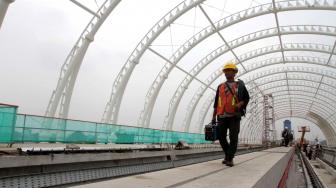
point(233, 125)
point(286, 141)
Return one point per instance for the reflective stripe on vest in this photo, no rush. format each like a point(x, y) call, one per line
point(226, 101)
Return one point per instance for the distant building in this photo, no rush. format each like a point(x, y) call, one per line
point(288, 124)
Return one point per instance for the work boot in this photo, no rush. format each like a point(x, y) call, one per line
point(225, 160)
point(229, 163)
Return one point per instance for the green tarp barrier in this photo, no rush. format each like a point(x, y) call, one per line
point(27, 128)
point(7, 122)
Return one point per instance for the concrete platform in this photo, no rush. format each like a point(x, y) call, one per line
point(25, 147)
point(37, 146)
point(258, 169)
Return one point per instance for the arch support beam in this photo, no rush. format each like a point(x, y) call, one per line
point(85, 8)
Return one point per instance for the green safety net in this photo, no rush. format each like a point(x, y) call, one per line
point(7, 122)
point(30, 128)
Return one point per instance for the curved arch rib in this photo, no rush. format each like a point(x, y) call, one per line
point(327, 129)
point(194, 101)
point(271, 72)
point(175, 100)
point(285, 30)
point(306, 99)
point(285, 107)
point(112, 108)
point(303, 91)
point(330, 135)
point(3, 9)
point(207, 104)
point(320, 109)
point(61, 96)
point(156, 86)
point(326, 92)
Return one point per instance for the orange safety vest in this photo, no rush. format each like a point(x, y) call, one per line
point(226, 102)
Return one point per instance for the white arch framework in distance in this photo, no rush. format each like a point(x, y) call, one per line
point(315, 76)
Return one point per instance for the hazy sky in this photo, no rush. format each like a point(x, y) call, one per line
point(37, 35)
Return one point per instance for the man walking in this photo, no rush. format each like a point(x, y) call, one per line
point(286, 136)
point(230, 104)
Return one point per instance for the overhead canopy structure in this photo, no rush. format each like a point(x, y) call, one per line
point(277, 49)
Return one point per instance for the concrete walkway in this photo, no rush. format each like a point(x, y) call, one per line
point(258, 169)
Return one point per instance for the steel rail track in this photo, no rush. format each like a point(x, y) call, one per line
point(315, 180)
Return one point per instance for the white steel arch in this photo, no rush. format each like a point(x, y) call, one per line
point(61, 96)
point(288, 109)
point(175, 100)
point(323, 125)
point(330, 136)
point(205, 61)
point(296, 99)
point(248, 118)
point(270, 62)
point(3, 9)
point(112, 107)
point(299, 70)
point(331, 94)
point(303, 99)
point(294, 70)
point(310, 95)
point(121, 82)
point(244, 132)
point(300, 82)
point(327, 129)
point(273, 88)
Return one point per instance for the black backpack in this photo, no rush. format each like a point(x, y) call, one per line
point(243, 93)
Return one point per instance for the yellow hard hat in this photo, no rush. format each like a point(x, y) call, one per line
point(230, 65)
